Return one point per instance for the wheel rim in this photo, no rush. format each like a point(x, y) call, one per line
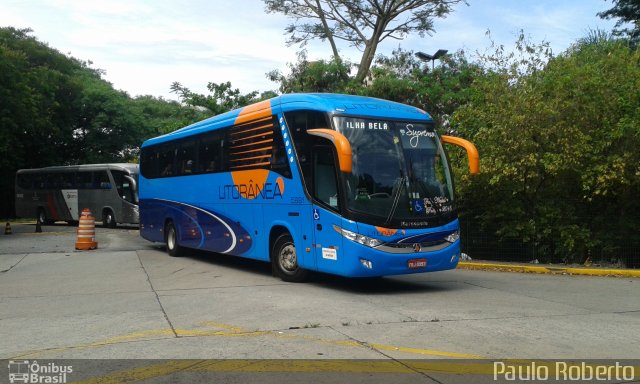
point(171, 239)
point(287, 258)
point(109, 218)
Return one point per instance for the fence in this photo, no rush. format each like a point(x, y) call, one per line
point(484, 244)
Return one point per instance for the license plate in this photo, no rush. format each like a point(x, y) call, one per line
point(417, 263)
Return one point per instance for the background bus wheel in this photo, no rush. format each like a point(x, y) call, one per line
point(285, 260)
point(41, 217)
point(108, 219)
point(173, 248)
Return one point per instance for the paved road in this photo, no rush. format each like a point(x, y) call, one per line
point(129, 299)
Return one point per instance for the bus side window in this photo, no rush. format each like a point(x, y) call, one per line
point(85, 180)
point(25, 181)
point(149, 162)
point(186, 156)
point(166, 160)
point(101, 180)
point(210, 153)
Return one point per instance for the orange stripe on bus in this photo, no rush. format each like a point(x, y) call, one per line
point(268, 133)
point(251, 158)
point(248, 123)
point(254, 111)
point(241, 131)
point(251, 165)
point(251, 150)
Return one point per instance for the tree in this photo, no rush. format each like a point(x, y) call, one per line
point(312, 76)
point(157, 116)
point(439, 91)
point(558, 138)
point(627, 11)
point(57, 110)
point(223, 97)
point(360, 23)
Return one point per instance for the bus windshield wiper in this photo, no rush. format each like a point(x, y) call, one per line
point(396, 199)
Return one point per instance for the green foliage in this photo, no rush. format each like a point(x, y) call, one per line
point(362, 24)
point(312, 76)
point(626, 11)
point(157, 116)
point(440, 91)
point(57, 110)
point(223, 97)
point(558, 144)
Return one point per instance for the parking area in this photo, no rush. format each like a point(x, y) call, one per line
point(130, 300)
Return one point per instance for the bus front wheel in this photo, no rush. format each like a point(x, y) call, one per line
point(108, 219)
point(285, 260)
point(171, 239)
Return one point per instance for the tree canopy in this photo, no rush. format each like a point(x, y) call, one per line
point(57, 110)
point(626, 11)
point(559, 143)
point(362, 23)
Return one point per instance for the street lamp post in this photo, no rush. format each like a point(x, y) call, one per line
point(432, 58)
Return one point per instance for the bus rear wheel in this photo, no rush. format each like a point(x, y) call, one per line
point(285, 260)
point(171, 239)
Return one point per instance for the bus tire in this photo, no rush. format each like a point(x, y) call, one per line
point(285, 261)
point(171, 240)
point(108, 219)
point(41, 217)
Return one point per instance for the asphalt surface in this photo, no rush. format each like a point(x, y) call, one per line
point(130, 300)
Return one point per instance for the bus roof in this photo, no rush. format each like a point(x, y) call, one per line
point(131, 167)
point(328, 102)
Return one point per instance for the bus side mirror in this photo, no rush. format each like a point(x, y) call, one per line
point(472, 151)
point(340, 142)
point(134, 188)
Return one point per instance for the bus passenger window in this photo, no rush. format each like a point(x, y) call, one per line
point(186, 155)
point(101, 180)
point(165, 161)
point(210, 153)
point(84, 180)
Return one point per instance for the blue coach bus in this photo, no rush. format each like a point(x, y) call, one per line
point(347, 185)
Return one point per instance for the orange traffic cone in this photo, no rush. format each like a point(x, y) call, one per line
point(86, 231)
point(7, 229)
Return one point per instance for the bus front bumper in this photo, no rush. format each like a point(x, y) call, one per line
point(361, 261)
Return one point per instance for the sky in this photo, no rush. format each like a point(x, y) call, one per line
point(146, 45)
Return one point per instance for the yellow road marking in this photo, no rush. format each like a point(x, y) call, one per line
point(427, 352)
point(234, 331)
point(548, 270)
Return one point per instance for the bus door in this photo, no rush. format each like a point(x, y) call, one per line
point(327, 242)
point(127, 192)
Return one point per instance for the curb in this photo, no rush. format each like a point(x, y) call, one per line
point(549, 270)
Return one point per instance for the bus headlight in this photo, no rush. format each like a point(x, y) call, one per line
point(453, 237)
point(358, 238)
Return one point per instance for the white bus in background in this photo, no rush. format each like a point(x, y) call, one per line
point(60, 193)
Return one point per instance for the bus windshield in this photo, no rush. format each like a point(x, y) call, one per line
point(400, 172)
